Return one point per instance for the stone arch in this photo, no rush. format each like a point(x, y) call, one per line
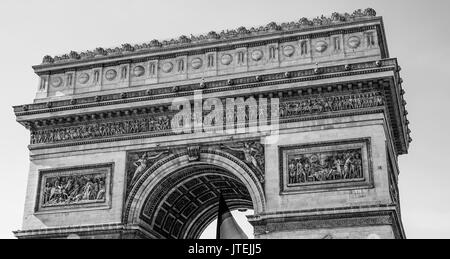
point(144, 203)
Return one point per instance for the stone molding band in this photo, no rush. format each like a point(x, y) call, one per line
point(210, 87)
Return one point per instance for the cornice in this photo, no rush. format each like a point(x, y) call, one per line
point(357, 216)
point(211, 40)
point(65, 231)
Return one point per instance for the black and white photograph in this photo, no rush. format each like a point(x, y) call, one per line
point(224, 120)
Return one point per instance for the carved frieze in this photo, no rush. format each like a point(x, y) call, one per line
point(289, 109)
point(101, 130)
point(326, 166)
point(331, 103)
point(72, 188)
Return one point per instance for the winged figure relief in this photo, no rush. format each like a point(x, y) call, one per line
point(253, 153)
point(143, 162)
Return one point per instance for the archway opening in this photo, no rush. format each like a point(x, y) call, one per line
point(241, 219)
point(185, 202)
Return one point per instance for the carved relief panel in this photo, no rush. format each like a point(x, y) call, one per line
point(259, 57)
point(88, 80)
point(196, 65)
point(361, 44)
point(321, 48)
point(233, 61)
point(288, 52)
point(74, 188)
point(61, 84)
point(326, 166)
point(111, 77)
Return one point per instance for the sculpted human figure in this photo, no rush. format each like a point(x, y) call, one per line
point(87, 191)
point(249, 157)
point(359, 166)
point(247, 150)
point(54, 191)
point(47, 193)
point(347, 164)
point(101, 191)
point(301, 175)
point(142, 163)
point(292, 172)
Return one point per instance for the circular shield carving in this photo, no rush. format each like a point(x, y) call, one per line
point(226, 59)
point(111, 74)
point(257, 55)
point(83, 78)
point(56, 81)
point(167, 67)
point(288, 50)
point(321, 46)
point(139, 71)
point(197, 63)
point(354, 42)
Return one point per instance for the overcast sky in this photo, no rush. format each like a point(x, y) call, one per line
point(418, 35)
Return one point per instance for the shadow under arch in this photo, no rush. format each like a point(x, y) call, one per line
point(177, 198)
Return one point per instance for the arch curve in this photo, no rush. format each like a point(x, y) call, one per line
point(156, 193)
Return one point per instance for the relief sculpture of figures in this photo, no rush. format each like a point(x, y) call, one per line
point(253, 156)
point(331, 104)
point(297, 108)
point(329, 166)
point(144, 162)
point(101, 130)
point(70, 190)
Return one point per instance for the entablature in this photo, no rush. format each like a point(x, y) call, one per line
point(364, 83)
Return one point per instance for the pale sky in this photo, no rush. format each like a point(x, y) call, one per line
point(418, 35)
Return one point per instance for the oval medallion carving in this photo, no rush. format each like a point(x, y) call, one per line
point(111, 74)
point(197, 63)
point(83, 78)
point(167, 67)
point(321, 46)
point(139, 71)
point(257, 55)
point(354, 42)
point(288, 50)
point(56, 81)
point(226, 59)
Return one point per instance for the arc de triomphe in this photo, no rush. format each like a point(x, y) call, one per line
point(326, 98)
